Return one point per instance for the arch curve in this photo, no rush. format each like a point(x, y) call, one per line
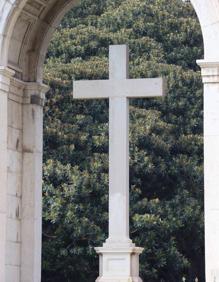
point(208, 14)
point(26, 27)
point(29, 25)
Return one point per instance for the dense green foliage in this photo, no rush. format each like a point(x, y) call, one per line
point(166, 166)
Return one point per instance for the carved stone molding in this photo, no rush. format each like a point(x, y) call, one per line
point(209, 71)
point(34, 93)
point(5, 77)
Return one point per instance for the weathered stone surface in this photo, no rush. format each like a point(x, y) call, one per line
point(31, 232)
point(5, 75)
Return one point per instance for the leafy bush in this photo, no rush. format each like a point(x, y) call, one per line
point(166, 144)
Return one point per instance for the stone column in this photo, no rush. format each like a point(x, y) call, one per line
point(32, 182)
point(210, 75)
point(5, 76)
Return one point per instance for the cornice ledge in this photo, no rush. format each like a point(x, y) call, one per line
point(6, 72)
point(209, 71)
point(36, 87)
point(6, 75)
point(34, 93)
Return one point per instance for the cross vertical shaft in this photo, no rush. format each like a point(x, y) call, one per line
point(118, 151)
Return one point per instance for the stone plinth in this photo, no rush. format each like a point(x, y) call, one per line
point(119, 264)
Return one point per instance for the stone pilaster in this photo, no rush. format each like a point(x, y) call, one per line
point(5, 78)
point(210, 75)
point(31, 233)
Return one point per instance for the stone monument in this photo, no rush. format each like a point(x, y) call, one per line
point(119, 257)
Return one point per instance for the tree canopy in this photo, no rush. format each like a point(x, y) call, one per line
point(166, 142)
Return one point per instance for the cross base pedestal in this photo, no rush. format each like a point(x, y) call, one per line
point(119, 264)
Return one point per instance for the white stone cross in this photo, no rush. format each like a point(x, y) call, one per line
point(118, 89)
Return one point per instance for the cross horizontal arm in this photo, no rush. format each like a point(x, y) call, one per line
point(130, 88)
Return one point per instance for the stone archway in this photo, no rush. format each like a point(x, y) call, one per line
point(26, 27)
